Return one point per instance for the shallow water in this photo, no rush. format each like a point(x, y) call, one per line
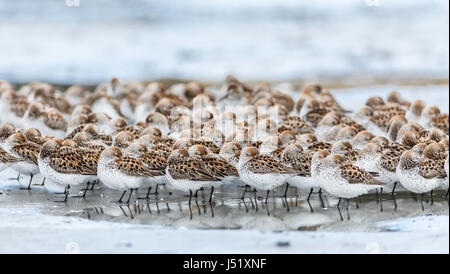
point(227, 210)
point(32, 222)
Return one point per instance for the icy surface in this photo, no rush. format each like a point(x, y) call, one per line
point(203, 39)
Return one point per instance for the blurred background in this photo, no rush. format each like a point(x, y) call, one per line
point(89, 41)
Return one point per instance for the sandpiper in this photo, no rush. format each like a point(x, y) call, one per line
point(121, 172)
point(62, 166)
point(186, 173)
point(417, 174)
point(262, 172)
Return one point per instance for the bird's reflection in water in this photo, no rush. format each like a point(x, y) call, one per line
point(291, 213)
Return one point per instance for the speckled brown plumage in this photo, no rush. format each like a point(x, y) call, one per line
point(19, 106)
point(265, 164)
point(315, 116)
point(348, 121)
point(431, 169)
point(70, 162)
point(5, 157)
point(297, 124)
point(320, 146)
point(390, 160)
point(132, 167)
point(74, 132)
point(352, 155)
point(301, 162)
point(190, 169)
point(219, 167)
point(27, 151)
point(441, 122)
point(207, 143)
point(155, 162)
point(161, 150)
point(54, 120)
point(356, 175)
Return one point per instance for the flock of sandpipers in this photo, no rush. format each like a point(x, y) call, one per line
point(192, 138)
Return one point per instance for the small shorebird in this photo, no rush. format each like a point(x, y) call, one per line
point(152, 160)
point(120, 172)
point(186, 173)
point(415, 111)
point(262, 172)
point(345, 180)
point(295, 157)
point(63, 166)
point(217, 166)
point(418, 174)
point(27, 152)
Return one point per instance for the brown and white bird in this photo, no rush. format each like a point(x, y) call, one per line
point(120, 172)
point(63, 166)
point(262, 172)
point(186, 173)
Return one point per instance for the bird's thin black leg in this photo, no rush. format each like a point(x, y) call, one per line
point(148, 193)
point(85, 190)
point(66, 192)
point(393, 189)
point(129, 197)
point(29, 184)
point(286, 190)
point(41, 184)
point(381, 200)
point(212, 209)
point(211, 195)
point(121, 197)
point(267, 196)
point(339, 209)
point(321, 199)
point(93, 184)
point(348, 206)
point(310, 193)
point(156, 190)
point(245, 191)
